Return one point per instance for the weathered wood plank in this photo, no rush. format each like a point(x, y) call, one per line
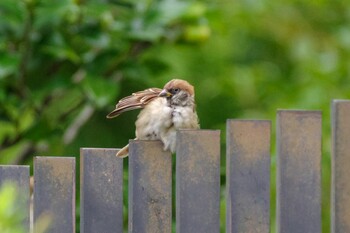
point(341, 166)
point(19, 176)
point(198, 181)
point(150, 181)
point(101, 191)
point(299, 171)
point(248, 176)
point(54, 193)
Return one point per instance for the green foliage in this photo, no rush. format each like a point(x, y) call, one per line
point(11, 210)
point(269, 55)
point(63, 64)
point(61, 61)
point(12, 217)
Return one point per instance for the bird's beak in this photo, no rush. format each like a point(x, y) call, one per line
point(164, 93)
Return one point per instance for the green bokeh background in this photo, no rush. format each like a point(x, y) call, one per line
point(64, 64)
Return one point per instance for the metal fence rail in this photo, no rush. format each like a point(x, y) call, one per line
point(248, 176)
point(298, 171)
point(101, 191)
point(54, 189)
point(197, 181)
point(341, 166)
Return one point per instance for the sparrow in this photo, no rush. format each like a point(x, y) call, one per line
point(164, 111)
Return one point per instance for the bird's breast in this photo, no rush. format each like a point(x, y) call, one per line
point(153, 119)
point(184, 118)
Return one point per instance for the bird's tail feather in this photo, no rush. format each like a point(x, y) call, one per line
point(123, 152)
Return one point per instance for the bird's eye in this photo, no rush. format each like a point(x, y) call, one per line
point(174, 91)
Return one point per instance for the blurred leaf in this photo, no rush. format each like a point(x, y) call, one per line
point(8, 64)
point(151, 21)
point(52, 13)
point(168, 11)
point(195, 11)
point(41, 130)
point(12, 16)
point(100, 91)
point(62, 53)
point(43, 222)
point(197, 33)
point(63, 105)
point(11, 210)
point(8, 130)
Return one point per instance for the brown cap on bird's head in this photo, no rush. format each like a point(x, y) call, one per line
point(180, 84)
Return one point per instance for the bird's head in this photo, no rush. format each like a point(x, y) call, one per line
point(178, 92)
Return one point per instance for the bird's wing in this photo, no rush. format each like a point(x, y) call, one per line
point(135, 101)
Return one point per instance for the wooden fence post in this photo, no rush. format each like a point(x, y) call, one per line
point(198, 181)
point(299, 171)
point(248, 176)
point(150, 181)
point(19, 176)
point(341, 166)
point(54, 193)
point(101, 191)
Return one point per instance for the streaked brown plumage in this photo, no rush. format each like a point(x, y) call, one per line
point(163, 112)
point(135, 101)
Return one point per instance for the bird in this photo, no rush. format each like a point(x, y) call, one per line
point(164, 111)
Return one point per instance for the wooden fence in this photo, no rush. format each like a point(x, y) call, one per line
point(197, 179)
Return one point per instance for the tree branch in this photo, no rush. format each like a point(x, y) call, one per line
point(78, 122)
point(26, 51)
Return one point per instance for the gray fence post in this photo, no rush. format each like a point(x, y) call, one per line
point(101, 191)
point(19, 176)
point(54, 193)
point(299, 171)
point(341, 166)
point(248, 176)
point(150, 181)
point(198, 181)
